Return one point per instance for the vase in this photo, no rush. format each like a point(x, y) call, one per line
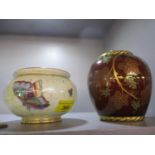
point(120, 86)
point(40, 95)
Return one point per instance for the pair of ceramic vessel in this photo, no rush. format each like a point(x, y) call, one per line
point(119, 84)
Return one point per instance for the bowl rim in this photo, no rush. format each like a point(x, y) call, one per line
point(41, 71)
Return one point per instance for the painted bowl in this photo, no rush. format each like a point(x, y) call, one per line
point(40, 95)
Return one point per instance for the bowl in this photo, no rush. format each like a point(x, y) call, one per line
point(40, 95)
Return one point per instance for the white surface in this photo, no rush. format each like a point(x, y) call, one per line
point(78, 123)
point(72, 55)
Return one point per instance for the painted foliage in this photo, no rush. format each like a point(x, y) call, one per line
point(120, 84)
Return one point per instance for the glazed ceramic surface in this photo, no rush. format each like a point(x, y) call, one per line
point(40, 95)
point(120, 86)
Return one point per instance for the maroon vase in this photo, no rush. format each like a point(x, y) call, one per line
point(120, 86)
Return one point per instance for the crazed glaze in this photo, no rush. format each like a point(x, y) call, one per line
point(40, 94)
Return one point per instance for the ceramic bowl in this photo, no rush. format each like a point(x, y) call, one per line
point(40, 95)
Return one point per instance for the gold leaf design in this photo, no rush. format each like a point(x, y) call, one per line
point(119, 100)
point(106, 92)
point(130, 79)
point(118, 81)
point(135, 104)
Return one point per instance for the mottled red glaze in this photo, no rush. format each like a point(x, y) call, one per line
point(120, 86)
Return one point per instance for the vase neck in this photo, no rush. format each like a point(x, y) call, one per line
point(115, 53)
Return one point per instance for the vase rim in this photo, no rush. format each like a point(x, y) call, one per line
point(118, 51)
point(41, 71)
point(115, 53)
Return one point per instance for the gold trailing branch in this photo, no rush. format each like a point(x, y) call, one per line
point(118, 81)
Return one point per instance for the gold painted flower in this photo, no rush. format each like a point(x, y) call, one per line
point(130, 79)
point(106, 92)
point(119, 100)
point(135, 104)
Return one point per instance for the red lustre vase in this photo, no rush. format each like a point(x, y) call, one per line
point(120, 86)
